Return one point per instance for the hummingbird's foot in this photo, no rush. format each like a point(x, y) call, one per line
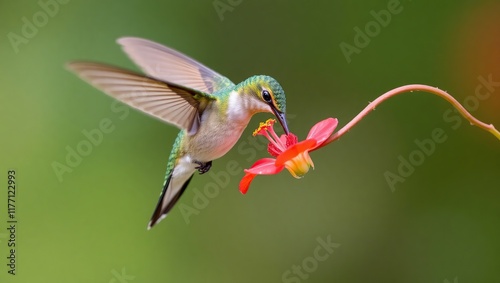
point(204, 166)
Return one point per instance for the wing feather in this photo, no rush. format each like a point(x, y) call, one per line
point(173, 104)
point(169, 65)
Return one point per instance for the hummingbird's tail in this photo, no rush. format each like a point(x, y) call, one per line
point(169, 196)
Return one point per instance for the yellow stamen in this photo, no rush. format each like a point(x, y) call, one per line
point(263, 126)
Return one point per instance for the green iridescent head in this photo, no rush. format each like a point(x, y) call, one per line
point(270, 92)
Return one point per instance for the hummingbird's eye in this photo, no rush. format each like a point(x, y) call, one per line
point(266, 96)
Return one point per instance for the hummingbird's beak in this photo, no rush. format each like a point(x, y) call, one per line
point(282, 119)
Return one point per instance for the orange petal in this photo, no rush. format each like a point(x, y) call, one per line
point(295, 150)
point(264, 166)
point(322, 130)
point(245, 182)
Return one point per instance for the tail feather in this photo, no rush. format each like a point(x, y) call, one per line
point(169, 196)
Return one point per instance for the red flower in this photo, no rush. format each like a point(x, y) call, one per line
point(289, 153)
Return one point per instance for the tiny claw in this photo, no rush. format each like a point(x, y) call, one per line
point(203, 166)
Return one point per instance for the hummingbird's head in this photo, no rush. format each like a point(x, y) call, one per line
point(269, 95)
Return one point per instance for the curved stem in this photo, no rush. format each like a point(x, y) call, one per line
point(409, 88)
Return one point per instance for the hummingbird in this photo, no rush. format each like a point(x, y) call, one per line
point(208, 108)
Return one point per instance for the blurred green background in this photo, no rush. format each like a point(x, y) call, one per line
point(440, 225)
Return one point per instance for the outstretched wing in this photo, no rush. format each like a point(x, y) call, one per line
point(169, 65)
point(173, 104)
